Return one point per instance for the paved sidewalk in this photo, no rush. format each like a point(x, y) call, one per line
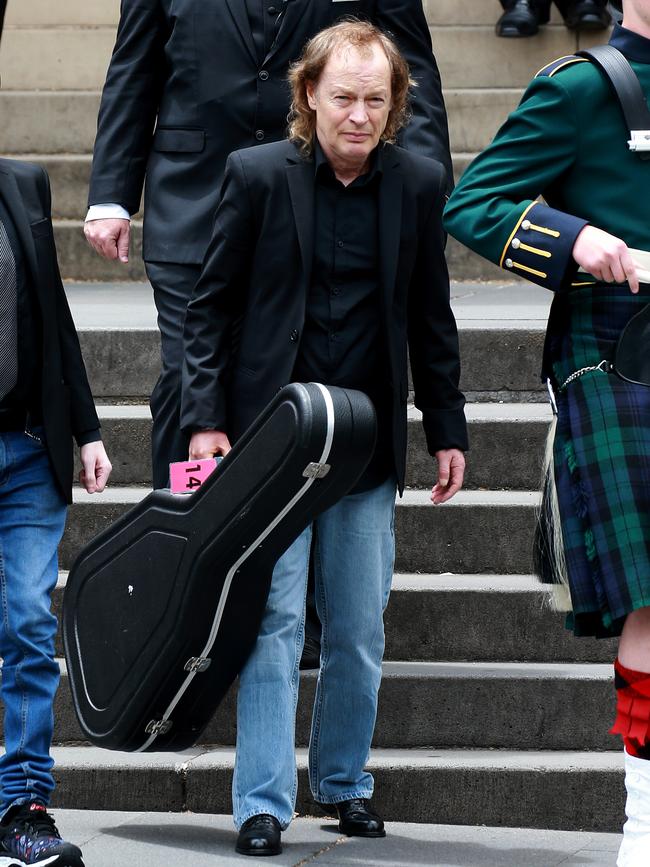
point(110, 839)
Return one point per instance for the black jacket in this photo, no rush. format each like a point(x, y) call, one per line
point(67, 403)
point(189, 68)
point(244, 321)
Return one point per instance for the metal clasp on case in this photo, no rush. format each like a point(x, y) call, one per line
point(314, 470)
point(158, 726)
point(197, 663)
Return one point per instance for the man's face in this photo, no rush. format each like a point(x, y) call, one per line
point(352, 101)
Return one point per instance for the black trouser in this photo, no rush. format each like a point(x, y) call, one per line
point(172, 289)
point(3, 9)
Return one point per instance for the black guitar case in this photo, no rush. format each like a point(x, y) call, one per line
point(162, 609)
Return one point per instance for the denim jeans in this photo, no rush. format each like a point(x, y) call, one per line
point(354, 557)
point(32, 518)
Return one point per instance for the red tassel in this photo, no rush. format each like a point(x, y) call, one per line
point(632, 708)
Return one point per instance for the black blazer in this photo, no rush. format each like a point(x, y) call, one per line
point(67, 403)
point(245, 318)
point(189, 68)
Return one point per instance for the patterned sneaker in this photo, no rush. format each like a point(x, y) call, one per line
point(31, 837)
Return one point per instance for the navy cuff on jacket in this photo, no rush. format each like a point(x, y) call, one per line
point(88, 436)
point(540, 247)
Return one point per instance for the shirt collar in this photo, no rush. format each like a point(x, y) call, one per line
point(323, 169)
point(631, 44)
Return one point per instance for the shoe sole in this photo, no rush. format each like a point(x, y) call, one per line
point(511, 31)
point(587, 25)
point(360, 834)
point(258, 852)
point(54, 860)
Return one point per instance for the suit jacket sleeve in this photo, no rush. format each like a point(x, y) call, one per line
point(129, 106)
point(83, 416)
point(427, 132)
point(433, 339)
point(494, 209)
point(217, 305)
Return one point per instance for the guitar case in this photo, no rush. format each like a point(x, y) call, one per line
point(162, 609)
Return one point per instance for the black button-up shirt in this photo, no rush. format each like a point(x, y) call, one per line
point(26, 394)
point(342, 342)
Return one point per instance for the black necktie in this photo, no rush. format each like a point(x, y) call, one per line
point(8, 316)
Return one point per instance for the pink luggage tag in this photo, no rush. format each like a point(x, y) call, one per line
point(187, 476)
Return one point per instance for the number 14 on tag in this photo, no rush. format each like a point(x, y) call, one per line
point(187, 476)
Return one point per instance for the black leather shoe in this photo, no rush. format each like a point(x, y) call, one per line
point(357, 820)
point(259, 835)
point(519, 20)
point(586, 15)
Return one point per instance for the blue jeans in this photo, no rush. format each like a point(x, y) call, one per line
point(354, 557)
point(32, 518)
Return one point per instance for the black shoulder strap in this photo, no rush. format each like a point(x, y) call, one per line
point(628, 91)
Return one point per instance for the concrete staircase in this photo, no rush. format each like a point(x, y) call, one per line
point(490, 712)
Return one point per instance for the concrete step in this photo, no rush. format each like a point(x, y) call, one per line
point(477, 532)
point(70, 174)
point(550, 707)
point(519, 430)
point(506, 447)
point(501, 336)
point(53, 59)
point(64, 121)
point(495, 618)
point(45, 13)
point(442, 618)
point(559, 790)
point(74, 57)
point(78, 261)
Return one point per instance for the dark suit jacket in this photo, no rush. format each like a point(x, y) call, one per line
point(67, 403)
point(245, 318)
point(190, 66)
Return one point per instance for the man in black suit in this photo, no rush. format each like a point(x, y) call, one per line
point(45, 399)
point(523, 17)
point(325, 263)
point(189, 82)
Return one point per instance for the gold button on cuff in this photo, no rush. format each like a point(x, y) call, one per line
point(516, 244)
point(508, 263)
point(525, 225)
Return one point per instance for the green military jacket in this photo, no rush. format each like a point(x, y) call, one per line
point(566, 142)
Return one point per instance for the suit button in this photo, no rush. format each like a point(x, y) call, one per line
point(263, 74)
point(259, 134)
point(272, 10)
point(295, 334)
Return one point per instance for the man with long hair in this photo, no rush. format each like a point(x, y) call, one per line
point(326, 262)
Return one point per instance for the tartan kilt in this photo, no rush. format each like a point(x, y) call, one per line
point(602, 465)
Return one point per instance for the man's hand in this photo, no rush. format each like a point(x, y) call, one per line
point(451, 471)
point(109, 237)
point(96, 467)
point(207, 443)
point(606, 257)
